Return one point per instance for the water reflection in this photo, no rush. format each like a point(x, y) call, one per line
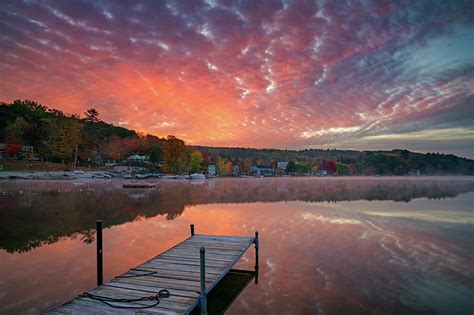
point(352, 256)
point(41, 212)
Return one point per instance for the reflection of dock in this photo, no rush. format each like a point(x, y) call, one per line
point(139, 185)
point(227, 290)
point(178, 281)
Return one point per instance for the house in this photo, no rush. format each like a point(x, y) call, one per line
point(132, 167)
point(26, 152)
point(262, 170)
point(236, 170)
point(281, 168)
point(323, 173)
point(98, 160)
point(139, 158)
point(211, 169)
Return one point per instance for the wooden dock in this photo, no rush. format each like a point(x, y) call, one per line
point(174, 282)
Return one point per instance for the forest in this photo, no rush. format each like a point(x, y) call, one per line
point(64, 138)
point(56, 135)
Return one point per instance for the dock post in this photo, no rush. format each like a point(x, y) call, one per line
point(257, 245)
point(202, 298)
point(100, 268)
point(192, 229)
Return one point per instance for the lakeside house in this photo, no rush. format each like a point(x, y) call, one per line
point(281, 168)
point(27, 152)
point(139, 158)
point(211, 169)
point(236, 170)
point(262, 170)
point(132, 167)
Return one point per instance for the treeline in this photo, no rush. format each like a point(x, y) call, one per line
point(345, 162)
point(58, 137)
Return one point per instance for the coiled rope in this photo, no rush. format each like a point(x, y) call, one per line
point(162, 294)
point(109, 301)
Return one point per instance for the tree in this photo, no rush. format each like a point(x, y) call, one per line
point(155, 153)
point(315, 169)
point(195, 161)
point(13, 144)
point(224, 167)
point(19, 127)
point(301, 168)
point(369, 171)
point(113, 149)
point(342, 169)
point(329, 166)
point(245, 165)
point(66, 138)
point(174, 154)
point(291, 167)
point(92, 115)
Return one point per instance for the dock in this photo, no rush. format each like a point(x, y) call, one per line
point(176, 281)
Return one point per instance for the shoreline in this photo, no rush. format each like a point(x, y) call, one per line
point(98, 175)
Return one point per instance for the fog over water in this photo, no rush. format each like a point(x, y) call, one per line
point(328, 245)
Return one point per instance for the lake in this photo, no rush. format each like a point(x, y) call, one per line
point(353, 245)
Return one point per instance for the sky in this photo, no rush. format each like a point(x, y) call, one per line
point(282, 74)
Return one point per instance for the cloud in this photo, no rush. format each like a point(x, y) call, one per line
point(249, 73)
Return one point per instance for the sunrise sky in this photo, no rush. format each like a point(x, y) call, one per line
point(282, 74)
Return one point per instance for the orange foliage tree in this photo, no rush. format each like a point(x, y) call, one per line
point(13, 144)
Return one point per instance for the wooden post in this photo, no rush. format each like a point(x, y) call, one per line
point(257, 245)
point(192, 229)
point(202, 298)
point(100, 267)
point(75, 160)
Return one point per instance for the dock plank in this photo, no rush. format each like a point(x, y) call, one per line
point(176, 269)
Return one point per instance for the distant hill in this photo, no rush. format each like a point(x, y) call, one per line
point(59, 137)
point(393, 162)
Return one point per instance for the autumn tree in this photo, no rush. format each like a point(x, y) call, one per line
point(133, 144)
point(174, 154)
point(12, 144)
point(89, 148)
point(329, 166)
point(195, 161)
point(66, 138)
point(245, 165)
point(113, 148)
point(315, 169)
point(224, 167)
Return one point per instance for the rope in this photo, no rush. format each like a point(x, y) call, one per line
point(108, 301)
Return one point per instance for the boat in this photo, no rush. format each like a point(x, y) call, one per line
point(169, 176)
point(197, 176)
point(142, 176)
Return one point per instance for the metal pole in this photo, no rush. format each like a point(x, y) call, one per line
point(192, 229)
point(202, 298)
point(100, 267)
point(257, 245)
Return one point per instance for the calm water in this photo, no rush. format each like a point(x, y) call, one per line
point(328, 245)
